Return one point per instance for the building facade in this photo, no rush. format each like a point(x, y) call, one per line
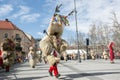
point(9, 30)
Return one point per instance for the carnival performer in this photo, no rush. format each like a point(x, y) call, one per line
point(105, 55)
point(53, 60)
point(6, 60)
point(39, 56)
point(53, 43)
point(83, 56)
point(93, 54)
point(7, 48)
point(1, 60)
point(32, 57)
point(64, 55)
point(111, 51)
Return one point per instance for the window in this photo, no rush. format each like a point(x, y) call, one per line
point(17, 36)
point(6, 35)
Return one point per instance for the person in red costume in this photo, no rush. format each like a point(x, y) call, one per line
point(53, 68)
point(1, 60)
point(111, 51)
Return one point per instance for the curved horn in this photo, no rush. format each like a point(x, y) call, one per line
point(57, 8)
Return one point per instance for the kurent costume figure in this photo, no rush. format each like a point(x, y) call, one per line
point(7, 48)
point(83, 56)
point(92, 53)
point(105, 55)
point(39, 56)
point(53, 43)
point(64, 54)
point(111, 52)
point(32, 57)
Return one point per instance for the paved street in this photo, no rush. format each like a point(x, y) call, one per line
point(70, 70)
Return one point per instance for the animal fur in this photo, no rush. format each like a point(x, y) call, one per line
point(53, 40)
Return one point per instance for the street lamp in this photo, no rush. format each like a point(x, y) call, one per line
point(79, 59)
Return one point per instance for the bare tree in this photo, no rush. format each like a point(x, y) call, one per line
point(81, 38)
point(93, 35)
point(99, 36)
point(71, 40)
point(116, 29)
point(103, 33)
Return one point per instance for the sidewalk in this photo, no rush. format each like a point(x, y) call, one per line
point(70, 70)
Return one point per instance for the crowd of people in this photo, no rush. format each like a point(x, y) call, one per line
point(33, 58)
point(6, 57)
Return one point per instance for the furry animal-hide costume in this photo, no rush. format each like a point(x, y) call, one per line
point(7, 47)
point(93, 54)
point(53, 38)
point(32, 58)
point(105, 55)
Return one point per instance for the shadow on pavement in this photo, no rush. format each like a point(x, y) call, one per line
point(30, 78)
point(90, 74)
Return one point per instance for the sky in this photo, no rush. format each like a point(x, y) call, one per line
point(33, 16)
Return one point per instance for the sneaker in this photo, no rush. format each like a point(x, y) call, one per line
point(50, 73)
point(57, 76)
